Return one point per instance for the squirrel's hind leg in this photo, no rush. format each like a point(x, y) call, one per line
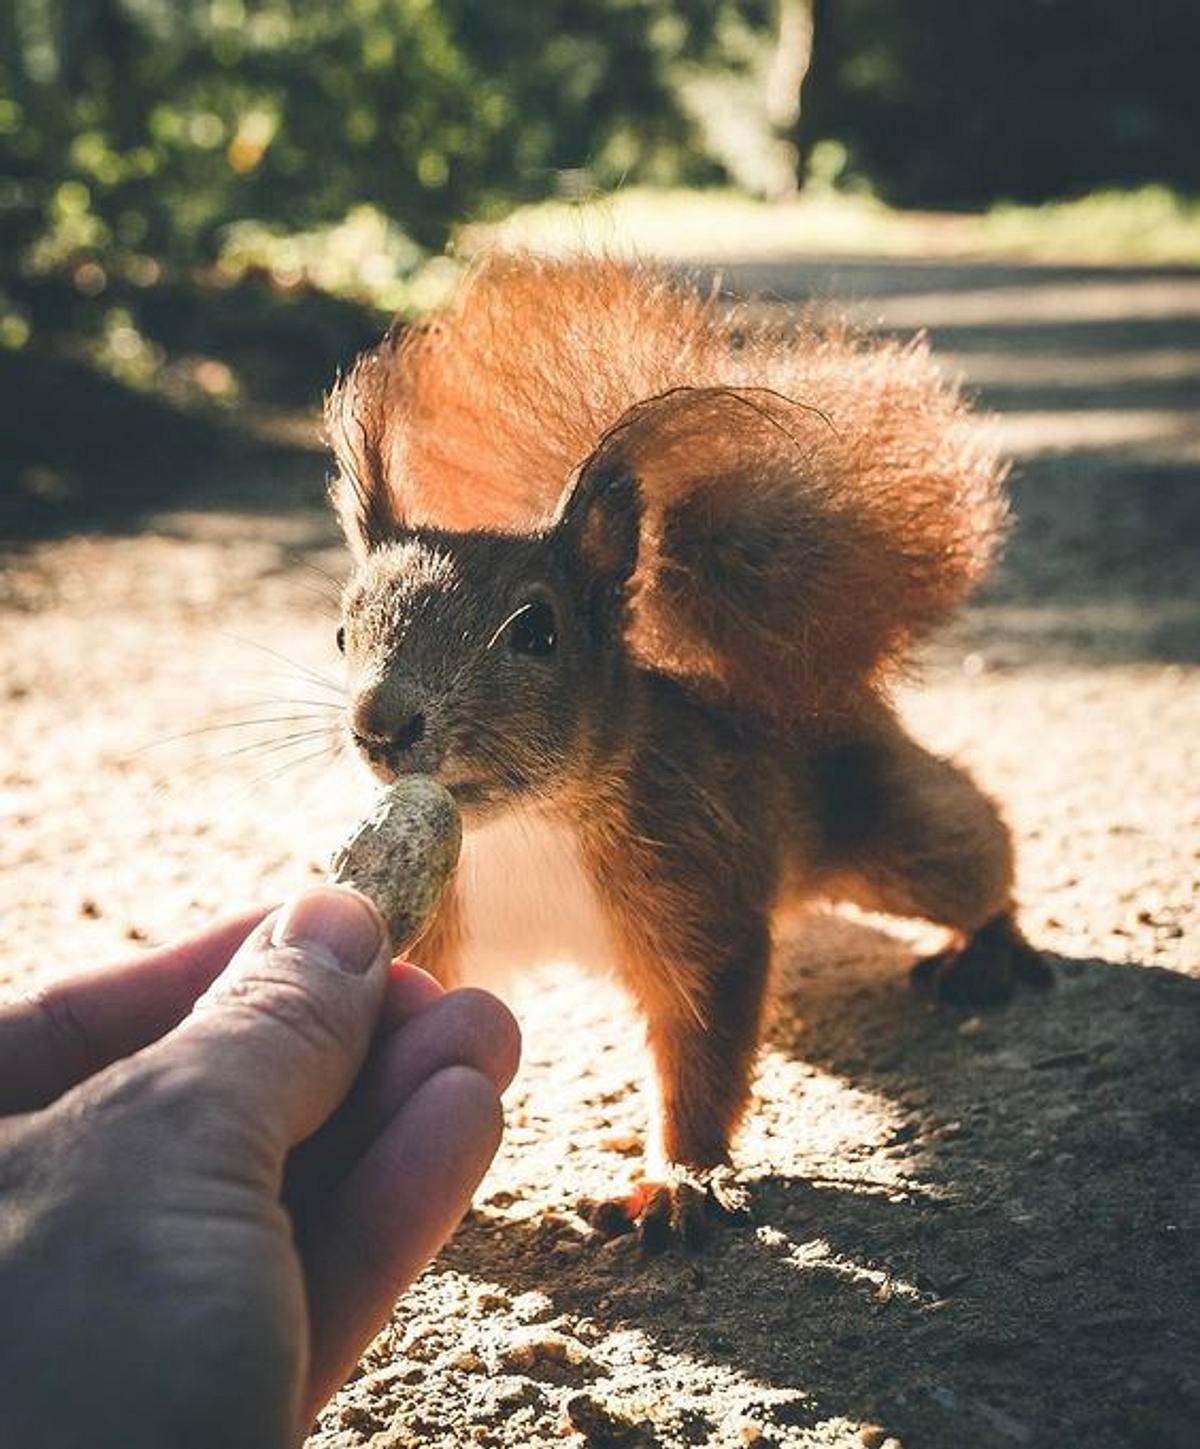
point(906, 832)
point(986, 969)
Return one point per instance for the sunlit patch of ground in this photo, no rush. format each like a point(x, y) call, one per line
point(1146, 226)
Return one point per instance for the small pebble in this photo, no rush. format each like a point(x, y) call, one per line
point(750, 1431)
point(357, 1416)
point(542, 1346)
point(625, 1143)
point(466, 1361)
point(600, 1423)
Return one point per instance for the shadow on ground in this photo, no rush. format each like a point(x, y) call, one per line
point(86, 452)
point(1028, 1284)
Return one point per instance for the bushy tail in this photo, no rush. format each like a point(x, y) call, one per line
point(815, 500)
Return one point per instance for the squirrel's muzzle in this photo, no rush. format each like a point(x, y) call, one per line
point(391, 727)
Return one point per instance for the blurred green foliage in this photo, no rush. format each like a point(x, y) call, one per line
point(207, 206)
point(140, 129)
point(142, 137)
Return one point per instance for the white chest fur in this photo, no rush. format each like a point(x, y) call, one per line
point(526, 899)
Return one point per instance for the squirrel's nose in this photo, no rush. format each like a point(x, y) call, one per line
point(398, 737)
point(386, 724)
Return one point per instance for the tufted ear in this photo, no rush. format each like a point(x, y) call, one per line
point(601, 518)
point(356, 427)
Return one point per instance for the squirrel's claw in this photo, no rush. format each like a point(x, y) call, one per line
point(681, 1209)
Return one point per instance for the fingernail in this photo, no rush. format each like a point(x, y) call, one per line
point(337, 921)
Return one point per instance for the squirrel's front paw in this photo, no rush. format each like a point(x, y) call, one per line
point(683, 1207)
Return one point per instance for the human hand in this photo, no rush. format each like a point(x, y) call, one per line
point(174, 1269)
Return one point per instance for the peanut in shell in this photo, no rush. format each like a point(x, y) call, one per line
point(403, 855)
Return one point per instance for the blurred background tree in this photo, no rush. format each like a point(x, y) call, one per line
point(142, 128)
point(137, 133)
point(139, 130)
point(940, 103)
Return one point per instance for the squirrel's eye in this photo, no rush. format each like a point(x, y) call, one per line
point(534, 631)
point(341, 639)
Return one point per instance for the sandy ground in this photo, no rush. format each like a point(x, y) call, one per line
point(967, 1230)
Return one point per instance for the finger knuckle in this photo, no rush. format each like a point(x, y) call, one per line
point(67, 1042)
point(280, 997)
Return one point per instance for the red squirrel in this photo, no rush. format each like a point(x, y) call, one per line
point(633, 572)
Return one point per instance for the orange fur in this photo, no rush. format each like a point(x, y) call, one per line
point(814, 500)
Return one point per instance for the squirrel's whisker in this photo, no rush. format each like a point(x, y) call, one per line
point(275, 701)
point(285, 676)
point(516, 614)
point(307, 673)
point(210, 765)
point(237, 724)
point(242, 789)
point(330, 608)
point(335, 584)
point(205, 769)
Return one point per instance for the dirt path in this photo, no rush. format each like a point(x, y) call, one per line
point(976, 1231)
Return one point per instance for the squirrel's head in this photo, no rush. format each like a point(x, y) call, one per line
point(492, 661)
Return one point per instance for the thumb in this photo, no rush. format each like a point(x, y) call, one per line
point(281, 1034)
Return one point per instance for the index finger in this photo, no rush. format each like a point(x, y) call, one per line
point(73, 1027)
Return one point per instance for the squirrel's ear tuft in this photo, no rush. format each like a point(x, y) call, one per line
point(356, 428)
point(602, 516)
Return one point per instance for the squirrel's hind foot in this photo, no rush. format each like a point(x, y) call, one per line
point(986, 971)
point(683, 1208)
